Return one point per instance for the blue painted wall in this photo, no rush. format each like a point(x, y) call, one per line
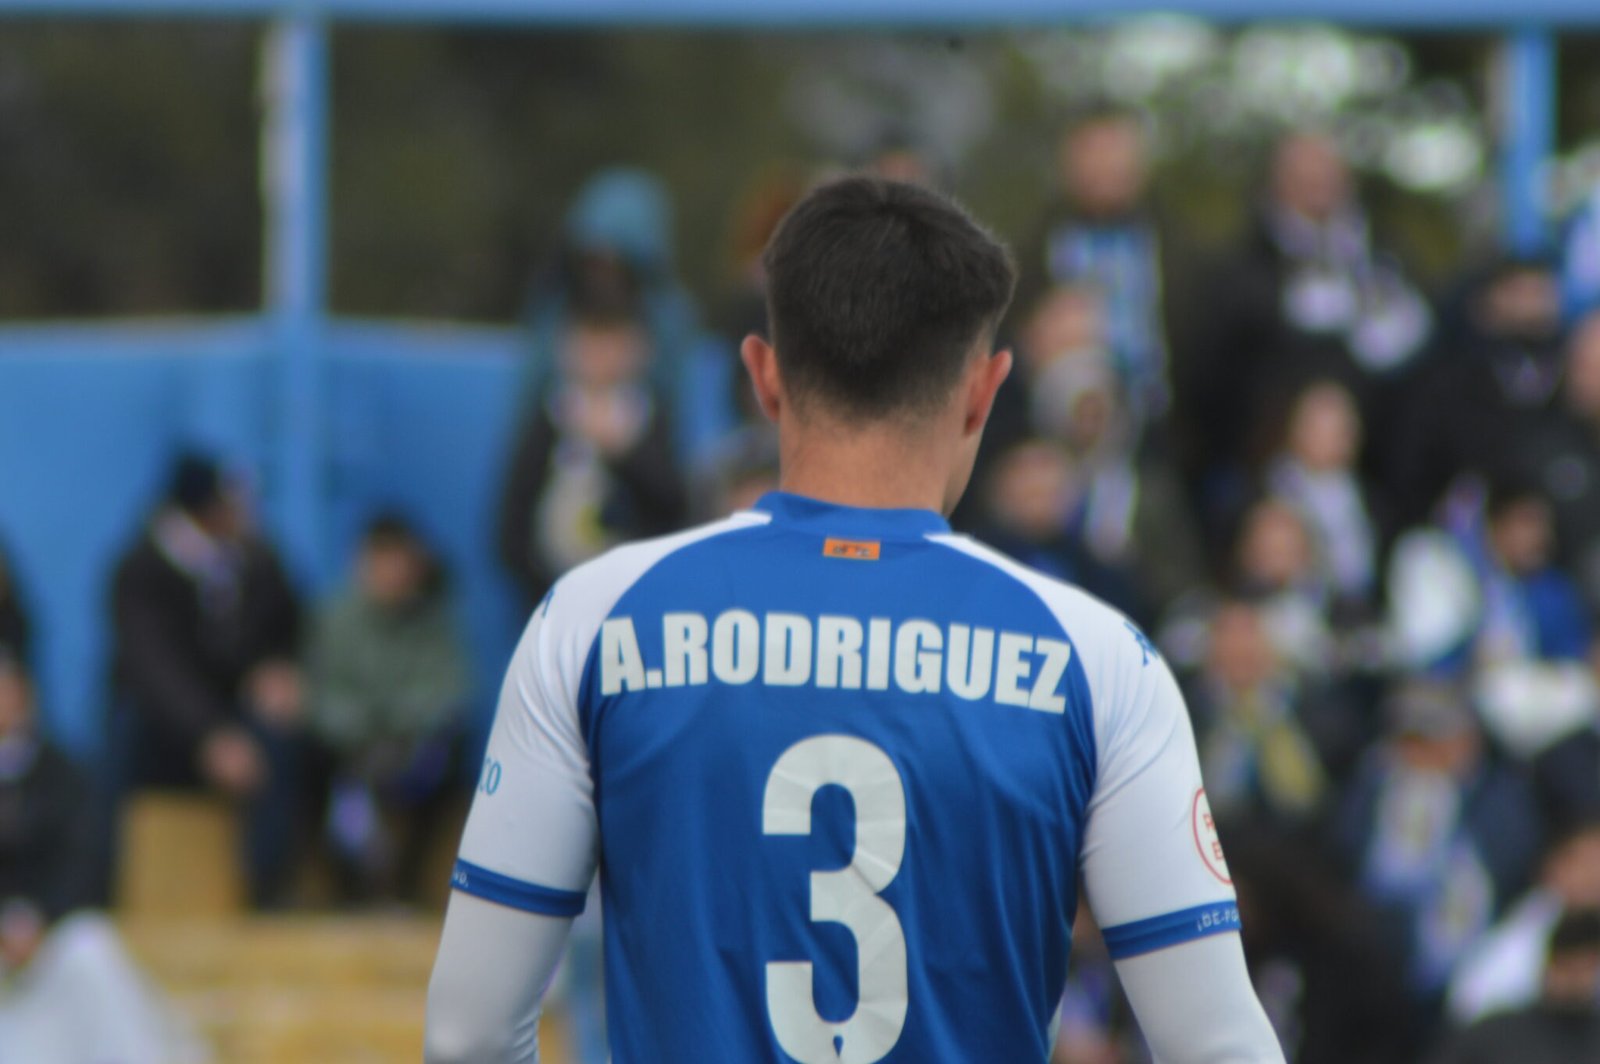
point(419, 421)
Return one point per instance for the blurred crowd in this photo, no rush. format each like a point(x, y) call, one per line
point(1361, 521)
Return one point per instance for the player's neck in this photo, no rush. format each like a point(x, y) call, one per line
point(879, 469)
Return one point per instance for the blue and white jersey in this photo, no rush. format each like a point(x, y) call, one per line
point(842, 771)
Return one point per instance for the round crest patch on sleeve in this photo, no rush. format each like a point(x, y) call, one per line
point(1206, 839)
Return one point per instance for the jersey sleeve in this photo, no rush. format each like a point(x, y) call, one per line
point(1153, 867)
point(531, 838)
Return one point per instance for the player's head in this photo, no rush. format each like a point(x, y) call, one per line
point(882, 301)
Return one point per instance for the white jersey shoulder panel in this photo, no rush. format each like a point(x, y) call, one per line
point(1150, 853)
point(530, 840)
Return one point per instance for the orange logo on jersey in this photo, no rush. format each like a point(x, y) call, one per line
point(854, 549)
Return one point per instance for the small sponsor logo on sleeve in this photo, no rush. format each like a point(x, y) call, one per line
point(1225, 917)
point(856, 550)
point(1206, 839)
point(1147, 649)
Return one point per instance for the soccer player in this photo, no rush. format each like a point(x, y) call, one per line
point(843, 769)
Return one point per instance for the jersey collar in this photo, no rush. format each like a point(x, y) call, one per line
point(815, 515)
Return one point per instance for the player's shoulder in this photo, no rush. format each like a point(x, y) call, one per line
point(590, 590)
point(1094, 626)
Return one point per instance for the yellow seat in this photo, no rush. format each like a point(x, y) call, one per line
point(304, 989)
point(179, 858)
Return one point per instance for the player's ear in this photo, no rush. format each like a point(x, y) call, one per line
point(987, 374)
point(761, 361)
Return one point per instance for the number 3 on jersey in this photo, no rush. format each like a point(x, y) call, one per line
point(849, 896)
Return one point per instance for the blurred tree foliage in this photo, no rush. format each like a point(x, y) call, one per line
point(129, 153)
point(456, 154)
point(127, 168)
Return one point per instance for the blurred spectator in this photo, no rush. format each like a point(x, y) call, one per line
point(594, 462)
point(1567, 766)
point(1564, 1025)
point(389, 682)
point(616, 247)
point(69, 994)
point(1567, 769)
point(1489, 382)
point(1580, 259)
point(1101, 235)
point(1257, 755)
point(898, 157)
point(46, 815)
point(1324, 970)
point(742, 309)
point(1276, 563)
point(1440, 837)
point(209, 696)
point(1273, 568)
point(1062, 336)
point(1310, 296)
point(1096, 1022)
point(1033, 488)
point(740, 471)
point(1561, 453)
point(1502, 972)
point(15, 630)
point(1316, 473)
point(1131, 514)
point(1484, 599)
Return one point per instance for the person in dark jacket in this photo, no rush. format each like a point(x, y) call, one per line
point(1564, 1027)
point(1491, 380)
point(1560, 452)
point(1439, 838)
point(69, 992)
point(1310, 295)
point(594, 463)
point(1033, 491)
point(1327, 974)
point(208, 695)
point(46, 810)
point(1260, 723)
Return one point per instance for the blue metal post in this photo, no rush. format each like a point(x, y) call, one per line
point(295, 175)
point(1527, 136)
